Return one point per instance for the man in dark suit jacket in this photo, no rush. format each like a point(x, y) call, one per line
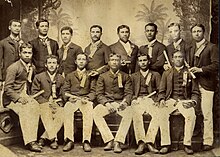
point(154, 49)
point(16, 90)
point(145, 82)
point(204, 59)
point(67, 53)
point(126, 49)
point(114, 94)
point(50, 101)
point(178, 91)
point(82, 89)
point(43, 46)
point(98, 52)
point(9, 48)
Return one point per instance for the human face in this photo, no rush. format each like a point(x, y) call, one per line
point(178, 59)
point(174, 33)
point(143, 62)
point(15, 28)
point(124, 34)
point(26, 55)
point(51, 65)
point(66, 36)
point(197, 33)
point(43, 28)
point(150, 33)
point(81, 61)
point(114, 62)
point(95, 34)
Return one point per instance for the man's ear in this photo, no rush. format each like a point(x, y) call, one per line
point(9, 27)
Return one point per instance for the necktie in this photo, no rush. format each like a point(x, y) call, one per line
point(150, 50)
point(65, 53)
point(93, 49)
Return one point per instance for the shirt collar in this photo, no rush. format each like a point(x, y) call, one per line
point(96, 43)
point(152, 42)
point(200, 43)
point(14, 38)
point(177, 42)
point(144, 73)
point(43, 37)
point(51, 76)
point(114, 73)
point(25, 64)
point(81, 71)
point(124, 44)
point(67, 45)
point(179, 68)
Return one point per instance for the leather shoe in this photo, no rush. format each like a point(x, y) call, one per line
point(117, 147)
point(152, 149)
point(207, 147)
point(33, 146)
point(188, 150)
point(42, 142)
point(54, 145)
point(140, 149)
point(164, 150)
point(87, 147)
point(68, 146)
point(109, 146)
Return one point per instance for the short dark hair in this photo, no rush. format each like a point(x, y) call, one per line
point(198, 25)
point(178, 51)
point(143, 54)
point(52, 57)
point(67, 28)
point(121, 27)
point(95, 26)
point(82, 53)
point(13, 20)
point(174, 24)
point(151, 24)
point(24, 45)
point(114, 54)
point(41, 20)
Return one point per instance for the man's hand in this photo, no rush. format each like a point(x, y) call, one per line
point(188, 104)
point(122, 106)
point(166, 67)
point(23, 100)
point(110, 108)
point(195, 70)
point(134, 102)
point(93, 73)
point(85, 100)
point(157, 104)
point(162, 103)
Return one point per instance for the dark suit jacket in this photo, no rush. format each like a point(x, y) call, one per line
point(119, 49)
point(15, 82)
point(209, 62)
point(72, 86)
point(107, 89)
point(42, 82)
point(68, 65)
point(40, 53)
point(158, 59)
point(9, 54)
point(153, 84)
point(100, 58)
point(166, 86)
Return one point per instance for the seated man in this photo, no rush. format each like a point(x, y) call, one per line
point(16, 96)
point(145, 82)
point(114, 94)
point(178, 91)
point(50, 101)
point(78, 92)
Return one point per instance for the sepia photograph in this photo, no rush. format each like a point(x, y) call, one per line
point(103, 78)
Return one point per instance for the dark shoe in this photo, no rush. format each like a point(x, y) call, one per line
point(207, 147)
point(140, 149)
point(54, 145)
point(87, 147)
point(188, 150)
point(164, 150)
point(152, 149)
point(42, 142)
point(117, 147)
point(68, 146)
point(33, 146)
point(109, 146)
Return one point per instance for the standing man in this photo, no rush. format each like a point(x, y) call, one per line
point(81, 89)
point(178, 91)
point(204, 59)
point(153, 49)
point(16, 97)
point(97, 51)
point(42, 46)
point(9, 46)
point(50, 101)
point(126, 49)
point(114, 92)
point(68, 52)
point(145, 82)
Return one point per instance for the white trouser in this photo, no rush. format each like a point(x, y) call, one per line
point(29, 118)
point(206, 106)
point(100, 111)
point(86, 109)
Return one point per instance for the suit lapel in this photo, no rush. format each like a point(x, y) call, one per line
point(170, 82)
point(138, 81)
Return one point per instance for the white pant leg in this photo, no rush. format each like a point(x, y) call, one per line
point(206, 106)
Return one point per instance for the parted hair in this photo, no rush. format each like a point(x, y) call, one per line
point(151, 24)
point(95, 26)
point(121, 27)
point(13, 20)
point(41, 20)
point(24, 45)
point(114, 54)
point(67, 28)
point(198, 25)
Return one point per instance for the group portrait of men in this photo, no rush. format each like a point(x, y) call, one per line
point(42, 81)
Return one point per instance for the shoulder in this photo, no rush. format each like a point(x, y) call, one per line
point(114, 45)
point(155, 74)
point(143, 47)
point(74, 46)
point(159, 44)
